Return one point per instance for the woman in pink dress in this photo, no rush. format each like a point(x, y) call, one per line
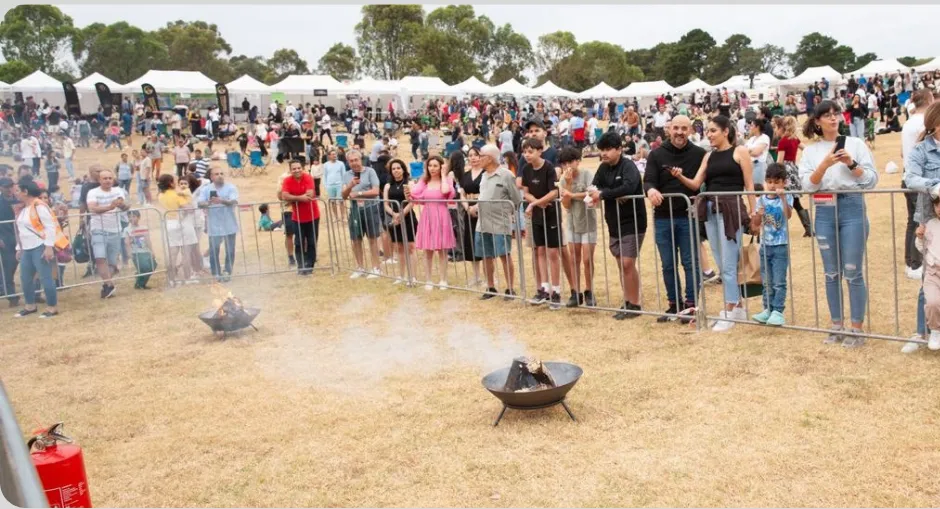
point(435, 230)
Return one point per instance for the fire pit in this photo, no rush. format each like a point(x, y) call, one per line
point(229, 315)
point(530, 385)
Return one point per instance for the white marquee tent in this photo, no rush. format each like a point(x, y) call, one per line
point(171, 82)
point(38, 82)
point(367, 86)
point(87, 84)
point(933, 65)
point(473, 86)
point(645, 89)
point(601, 90)
point(247, 85)
point(812, 75)
point(886, 66)
point(692, 86)
point(305, 84)
point(425, 85)
point(743, 82)
point(514, 88)
point(549, 89)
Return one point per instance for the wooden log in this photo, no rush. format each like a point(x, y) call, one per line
point(528, 375)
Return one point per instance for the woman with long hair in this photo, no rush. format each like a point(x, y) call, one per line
point(725, 169)
point(435, 230)
point(841, 219)
point(788, 146)
point(172, 197)
point(757, 144)
point(921, 173)
point(456, 165)
point(37, 233)
point(402, 220)
point(469, 186)
point(858, 112)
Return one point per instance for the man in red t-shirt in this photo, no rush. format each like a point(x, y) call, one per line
point(298, 190)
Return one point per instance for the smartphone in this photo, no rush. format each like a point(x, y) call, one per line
point(213, 194)
point(840, 143)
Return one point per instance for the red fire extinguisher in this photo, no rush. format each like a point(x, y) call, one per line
point(60, 467)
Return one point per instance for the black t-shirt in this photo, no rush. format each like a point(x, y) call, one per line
point(629, 147)
point(539, 183)
point(612, 107)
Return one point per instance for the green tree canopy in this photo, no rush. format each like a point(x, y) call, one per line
point(816, 50)
point(388, 38)
point(119, 51)
point(197, 46)
point(285, 62)
point(37, 35)
point(14, 70)
point(340, 62)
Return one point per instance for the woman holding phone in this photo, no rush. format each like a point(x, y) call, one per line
point(838, 163)
point(402, 220)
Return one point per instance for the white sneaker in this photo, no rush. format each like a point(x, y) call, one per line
point(915, 274)
point(911, 346)
point(192, 281)
point(428, 286)
point(725, 325)
point(398, 281)
point(357, 273)
point(374, 274)
point(442, 285)
point(933, 343)
point(738, 314)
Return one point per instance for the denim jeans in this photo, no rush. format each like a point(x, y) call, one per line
point(773, 270)
point(112, 139)
point(672, 236)
point(31, 263)
point(726, 253)
point(857, 128)
point(70, 168)
point(215, 242)
point(921, 318)
point(760, 171)
point(841, 232)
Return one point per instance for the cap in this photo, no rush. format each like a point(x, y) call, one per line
point(6, 182)
point(531, 123)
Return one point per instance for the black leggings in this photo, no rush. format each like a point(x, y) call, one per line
point(181, 169)
point(797, 206)
point(326, 132)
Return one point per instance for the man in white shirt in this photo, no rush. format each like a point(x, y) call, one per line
point(659, 121)
point(104, 203)
point(31, 152)
point(326, 127)
point(564, 129)
point(592, 127)
point(68, 151)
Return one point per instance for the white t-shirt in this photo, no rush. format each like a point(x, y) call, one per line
point(563, 127)
point(872, 102)
point(109, 221)
point(324, 122)
point(754, 141)
point(909, 134)
point(660, 119)
point(68, 148)
point(29, 148)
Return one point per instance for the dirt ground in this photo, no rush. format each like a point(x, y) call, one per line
point(361, 393)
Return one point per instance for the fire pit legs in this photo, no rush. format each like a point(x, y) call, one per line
point(561, 402)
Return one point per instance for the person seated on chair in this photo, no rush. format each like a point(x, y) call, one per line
point(242, 140)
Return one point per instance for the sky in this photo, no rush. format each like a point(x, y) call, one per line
point(886, 30)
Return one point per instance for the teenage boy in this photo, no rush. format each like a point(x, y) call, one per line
point(538, 188)
point(617, 177)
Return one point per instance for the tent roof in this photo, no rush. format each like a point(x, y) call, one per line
point(4, 86)
point(888, 65)
point(512, 87)
point(38, 82)
point(181, 82)
point(552, 90)
point(425, 85)
point(933, 65)
point(645, 89)
point(88, 82)
point(743, 81)
point(373, 86)
point(692, 86)
point(307, 83)
point(247, 85)
point(600, 90)
point(814, 74)
point(473, 86)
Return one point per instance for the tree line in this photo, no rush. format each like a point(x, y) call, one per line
point(394, 41)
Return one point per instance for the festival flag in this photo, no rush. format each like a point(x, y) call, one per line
point(221, 94)
point(72, 108)
point(104, 97)
point(150, 98)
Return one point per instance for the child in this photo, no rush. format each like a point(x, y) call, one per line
point(75, 194)
point(773, 212)
point(537, 182)
point(137, 242)
point(581, 227)
point(124, 170)
point(84, 133)
point(52, 169)
point(928, 243)
point(266, 224)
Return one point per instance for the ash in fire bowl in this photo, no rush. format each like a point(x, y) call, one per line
point(530, 384)
point(229, 314)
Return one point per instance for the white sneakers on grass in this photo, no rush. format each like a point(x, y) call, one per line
point(915, 274)
point(726, 325)
point(374, 274)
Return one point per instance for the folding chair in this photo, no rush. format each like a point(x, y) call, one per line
point(342, 141)
point(234, 160)
point(415, 170)
point(258, 164)
point(450, 148)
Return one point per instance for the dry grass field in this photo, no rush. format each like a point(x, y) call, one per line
point(360, 393)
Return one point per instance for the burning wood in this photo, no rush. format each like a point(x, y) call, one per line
point(528, 374)
point(227, 304)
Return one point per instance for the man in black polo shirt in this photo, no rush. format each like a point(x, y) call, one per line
point(616, 178)
point(673, 226)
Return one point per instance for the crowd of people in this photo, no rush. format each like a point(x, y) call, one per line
point(511, 168)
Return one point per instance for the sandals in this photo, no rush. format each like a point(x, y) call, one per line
point(48, 314)
point(25, 312)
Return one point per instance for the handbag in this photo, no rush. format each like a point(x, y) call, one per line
point(80, 249)
point(793, 177)
point(749, 276)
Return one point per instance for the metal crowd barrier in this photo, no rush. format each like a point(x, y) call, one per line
point(19, 483)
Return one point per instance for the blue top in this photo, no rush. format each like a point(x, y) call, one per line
point(221, 219)
point(333, 173)
point(774, 221)
point(923, 173)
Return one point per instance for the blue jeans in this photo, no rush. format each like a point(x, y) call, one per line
point(726, 253)
point(841, 232)
point(672, 236)
point(31, 263)
point(857, 128)
point(70, 167)
point(760, 171)
point(921, 319)
point(774, 261)
point(112, 139)
point(215, 242)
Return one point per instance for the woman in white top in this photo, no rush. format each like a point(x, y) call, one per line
point(757, 145)
point(841, 220)
point(36, 230)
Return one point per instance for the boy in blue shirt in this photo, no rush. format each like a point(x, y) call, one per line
point(773, 212)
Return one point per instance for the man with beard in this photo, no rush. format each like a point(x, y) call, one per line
point(673, 226)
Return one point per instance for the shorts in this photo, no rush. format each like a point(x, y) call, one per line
point(546, 235)
point(106, 245)
point(365, 221)
point(290, 226)
point(334, 191)
point(491, 245)
point(180, 233)
point(580, 238)
point(627, 246)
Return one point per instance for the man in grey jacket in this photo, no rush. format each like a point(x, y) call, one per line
point(493, 237)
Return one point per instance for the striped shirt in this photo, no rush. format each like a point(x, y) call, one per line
point(202, 167)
